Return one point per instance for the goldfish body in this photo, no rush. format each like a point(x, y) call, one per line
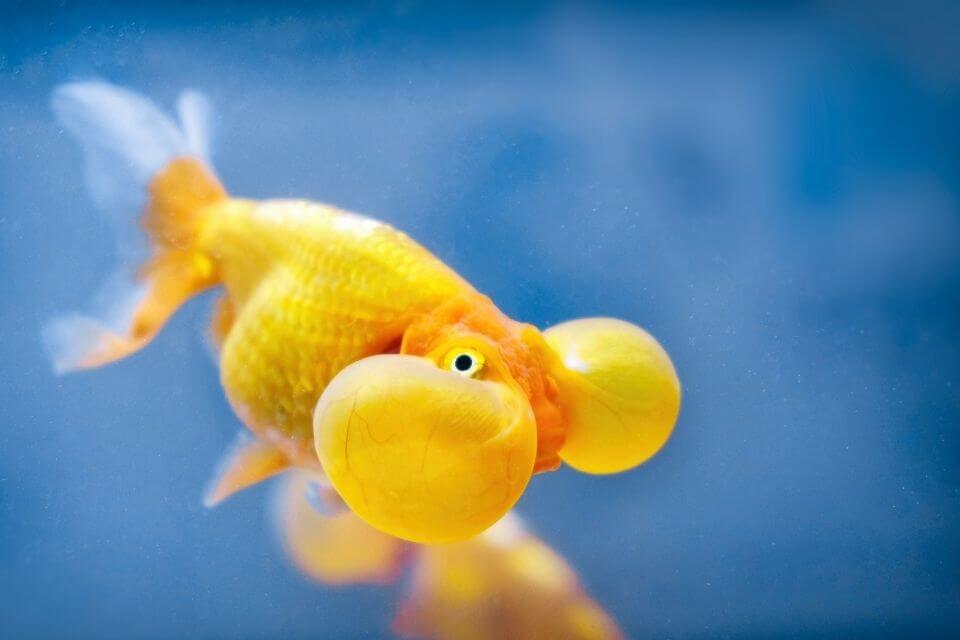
point(347, 347)
point(309, 289)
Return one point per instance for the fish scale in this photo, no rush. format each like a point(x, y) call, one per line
point(313, 290)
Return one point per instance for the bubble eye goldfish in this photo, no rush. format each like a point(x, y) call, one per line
point(346, 346)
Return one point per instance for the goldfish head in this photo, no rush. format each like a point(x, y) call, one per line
point(438, 442)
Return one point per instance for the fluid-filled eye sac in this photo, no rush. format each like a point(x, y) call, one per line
point(620, 391)
point(421, 453)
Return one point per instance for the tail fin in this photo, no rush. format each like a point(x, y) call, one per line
point(137, 159)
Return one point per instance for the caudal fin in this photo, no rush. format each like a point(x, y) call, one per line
point(138, 159)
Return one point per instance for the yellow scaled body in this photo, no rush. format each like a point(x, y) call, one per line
point(311, 289)
point(348, 348)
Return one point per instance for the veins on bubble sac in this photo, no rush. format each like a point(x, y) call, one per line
point(346, 448)
point(426, 447)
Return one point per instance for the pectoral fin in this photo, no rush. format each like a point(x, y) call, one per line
point(247, 463)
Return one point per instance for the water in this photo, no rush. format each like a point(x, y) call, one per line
point(772, 193)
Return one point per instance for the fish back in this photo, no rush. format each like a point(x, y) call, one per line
point(313, 289)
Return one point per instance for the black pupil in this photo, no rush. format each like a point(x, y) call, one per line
point(463, 362)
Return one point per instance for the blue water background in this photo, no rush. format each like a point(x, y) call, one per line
point(772, 192)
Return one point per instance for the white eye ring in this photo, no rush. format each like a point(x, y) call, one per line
point(466, 362)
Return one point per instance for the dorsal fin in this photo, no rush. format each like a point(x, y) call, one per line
point(245, 464)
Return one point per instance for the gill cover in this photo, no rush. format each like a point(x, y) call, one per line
point(619, 390)
point(421, 453)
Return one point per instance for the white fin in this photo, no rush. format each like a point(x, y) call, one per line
point(125, 136)
point(71, 337)
point(194, 111)
point(126, 139)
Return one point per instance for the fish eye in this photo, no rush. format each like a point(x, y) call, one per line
point(466, 362)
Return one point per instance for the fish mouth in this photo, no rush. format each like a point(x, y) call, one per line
point(424, 454)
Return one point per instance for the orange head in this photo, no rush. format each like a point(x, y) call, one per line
point(471, 331)
point(436, 443)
